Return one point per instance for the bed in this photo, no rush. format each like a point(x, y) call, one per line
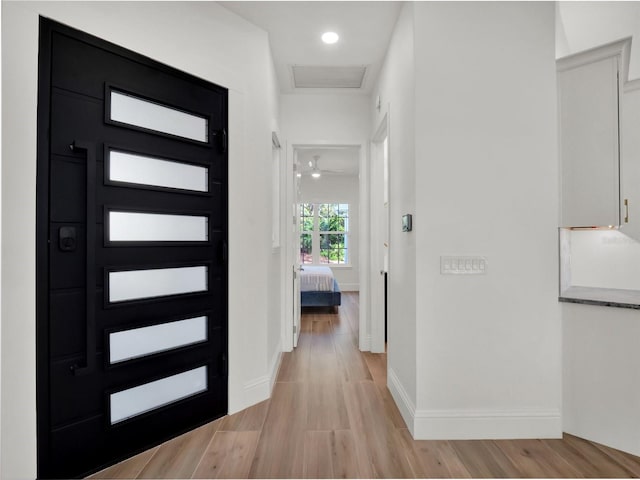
point(318, 287)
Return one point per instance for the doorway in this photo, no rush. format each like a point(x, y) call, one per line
point(380, 244)
point(325, 197)
point(131, 252)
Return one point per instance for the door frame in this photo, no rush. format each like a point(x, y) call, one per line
point(364, 341)
point(377, 159)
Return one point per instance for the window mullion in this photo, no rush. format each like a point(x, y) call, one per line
point(316, 236)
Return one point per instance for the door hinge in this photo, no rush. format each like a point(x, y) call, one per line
point(224, 368)
point(224, 140)
point(224, 252)
point(295, 329)
point(295, 275)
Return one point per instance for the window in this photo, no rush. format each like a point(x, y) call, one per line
point(324, 233)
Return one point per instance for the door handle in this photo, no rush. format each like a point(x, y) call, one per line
point(90, 272)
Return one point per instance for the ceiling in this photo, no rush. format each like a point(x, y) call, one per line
point(295, 28)
point(332, 161)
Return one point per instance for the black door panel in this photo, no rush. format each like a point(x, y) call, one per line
point(78, 324)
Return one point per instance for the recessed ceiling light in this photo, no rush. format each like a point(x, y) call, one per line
point(315, 174)
point(330, 37)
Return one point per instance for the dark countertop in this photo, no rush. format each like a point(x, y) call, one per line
point(607, 297)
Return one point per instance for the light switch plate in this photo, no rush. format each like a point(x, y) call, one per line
point(463, 265)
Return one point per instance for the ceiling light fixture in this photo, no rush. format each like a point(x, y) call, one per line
point(330, 37)
point(315, 172)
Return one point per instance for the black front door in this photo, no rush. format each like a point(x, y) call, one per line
point(131, 246)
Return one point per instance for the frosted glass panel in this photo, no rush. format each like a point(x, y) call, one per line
point(139, 342)
point(143, 113)
point(142, 170)
point(156, 227)
point(137, 284)
point(144, 398)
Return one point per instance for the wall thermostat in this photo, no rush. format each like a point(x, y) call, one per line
point(407, 223)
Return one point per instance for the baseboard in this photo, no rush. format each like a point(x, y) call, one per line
point(274, 367)
point(472, 425)
point(485, 425)
point(364, 344)
point(350, 287)
point(402, 399)
point(259, 389)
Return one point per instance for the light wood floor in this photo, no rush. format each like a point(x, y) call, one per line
point(331, 416)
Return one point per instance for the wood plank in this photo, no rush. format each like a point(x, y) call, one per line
point(627, 460)
point(326, 408)
point(341, 325)
point(352, 364)
point(391, 409)
point(428, 459)
point(295, 364)
point(504, 461)
point(453, 462)
point(343, 454)
point(375, 435)
point(477, 458)
point(241, 456)
point(323, 361)
point(178, 458)
point(281, 445)
point(597, 458)
point(130, 468)
point(350, 308)
point(377, 365)
point(230, 423)
point(254, 417)
point(229, 455)
point(532, 458)
point(317, 455)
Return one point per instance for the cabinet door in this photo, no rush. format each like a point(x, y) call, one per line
point(589, 144)
point(630, 160)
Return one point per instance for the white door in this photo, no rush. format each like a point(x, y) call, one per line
point(379, 236)
point(296, 253)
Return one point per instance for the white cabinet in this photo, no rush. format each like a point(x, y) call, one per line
point(630, 159)
point(589, 91)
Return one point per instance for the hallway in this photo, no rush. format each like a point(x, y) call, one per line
point(331, 416)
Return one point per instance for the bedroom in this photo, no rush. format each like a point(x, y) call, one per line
point(328, 200)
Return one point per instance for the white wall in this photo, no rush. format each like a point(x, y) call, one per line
point(201, 38)
point(489, 347)
point(339, 189)
point(396, 90)
point(321, 119)
point(274, 272)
